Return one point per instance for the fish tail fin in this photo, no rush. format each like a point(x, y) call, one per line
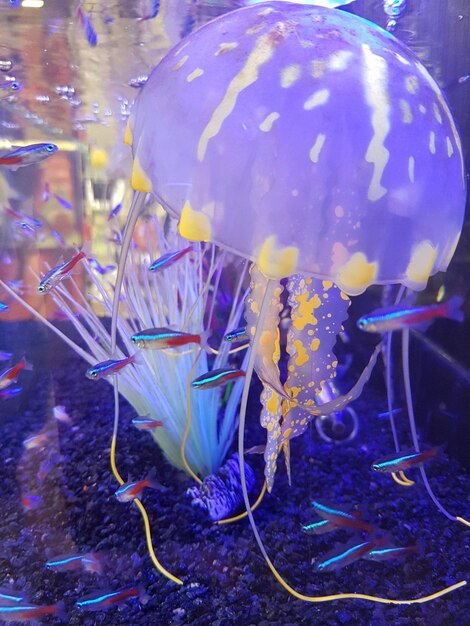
point(205, 341)
point(143, 595)
point(453, 308)
point(137, 358)
point(153, 482)
point(26, 364)
point(86, 248)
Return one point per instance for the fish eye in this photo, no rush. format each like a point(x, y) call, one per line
point(361, 322)
point(41, 289)
point(15, 86)
point(50, 147)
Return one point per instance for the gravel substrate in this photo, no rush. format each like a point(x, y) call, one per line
point(226, 581)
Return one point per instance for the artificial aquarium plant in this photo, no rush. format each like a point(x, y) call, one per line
point(182, 295)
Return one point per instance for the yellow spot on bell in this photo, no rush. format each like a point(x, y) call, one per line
point(356, 274)
point(128, 135)
point(275, 261)
point(421, 263)
point(287, 433)
point(139, 180)
point(194, 225)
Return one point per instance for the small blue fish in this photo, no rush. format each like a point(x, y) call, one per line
point(168, 259)
point(10, 392)
point(65, 203)
point(3, 307)
point(8, 597)
point(319, 528)
point(58, 237)
point(133, 489)
point(399, 317)
point(162, 337)
point(154, 8)
point(31, 502)
point(28, 155)
point(101, 601)
point(99, 268)
point(87, 25)
point(403, 460)
point(58, 273)
point(115, 211)
point(341, 518)
point(4, 356)
point(30, 613)
point(11, 85)
point(90, 562)
point(389, 552)
point(108, 368)
point(216, 378)
point(239, 334)
point(344, 555)
point(146, 423)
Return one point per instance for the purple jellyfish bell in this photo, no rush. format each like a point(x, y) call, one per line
point(308, 140)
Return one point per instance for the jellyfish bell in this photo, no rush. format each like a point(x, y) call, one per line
point(316, 145)
point(308, 140)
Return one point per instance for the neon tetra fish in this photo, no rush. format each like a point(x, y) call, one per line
point(10, 375)
point(102, 601)
point(403, 460)
point(31, 502)
point(58, 273)
point(146, 423)
point(28, 155)
point(398, 317)
point(133, 489)
point(108, 368)
point(319, 528)
point(8, 597)
point(239, 334)
point(341, 518)
point(30, 612)
point(168, 259)
point(161, 338)
point(90, 562)
point(216, 378)
point(389, 552)
point(344, 555)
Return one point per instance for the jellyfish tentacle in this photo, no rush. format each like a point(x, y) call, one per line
point(241, 448)
point(134, 211)
point(414, 434)
point(266, 360)
point(389, 386)
point(318, 309)
point(340, 402)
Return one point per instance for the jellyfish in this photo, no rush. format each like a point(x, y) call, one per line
point(318, 147)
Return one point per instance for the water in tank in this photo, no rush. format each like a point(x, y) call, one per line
point(234, 312)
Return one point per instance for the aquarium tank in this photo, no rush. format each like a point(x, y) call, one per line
point(234, 312)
